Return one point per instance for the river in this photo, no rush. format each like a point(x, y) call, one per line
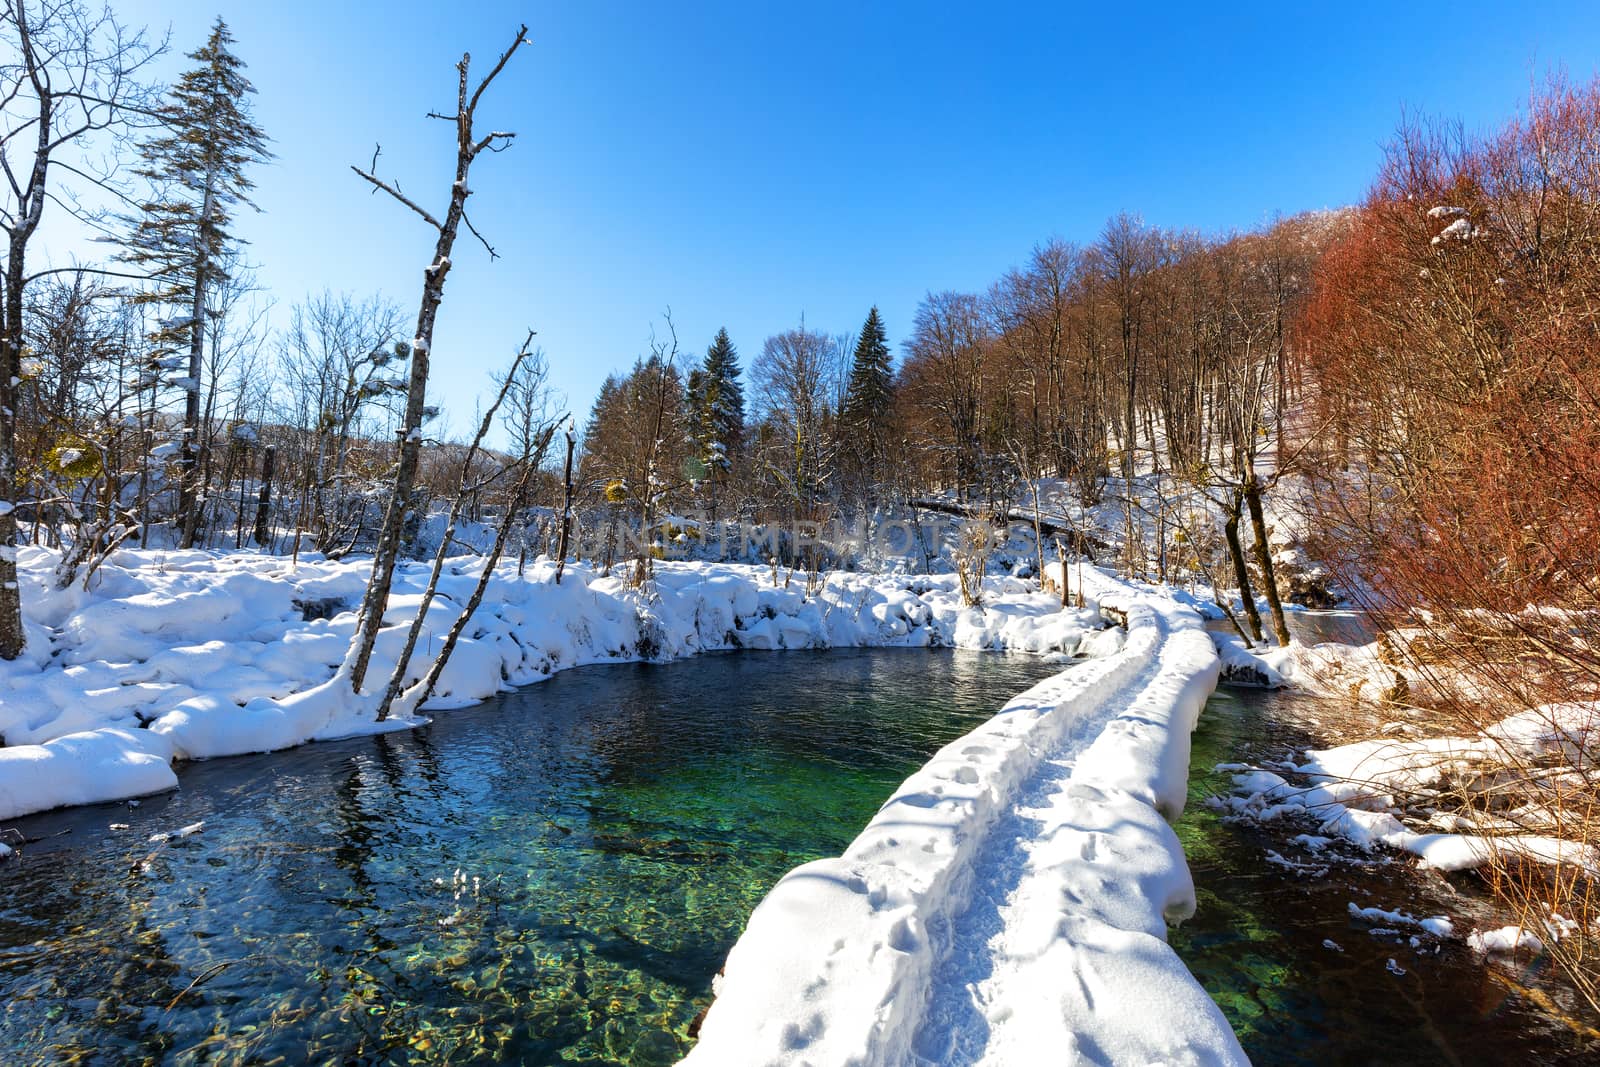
point(556, 876)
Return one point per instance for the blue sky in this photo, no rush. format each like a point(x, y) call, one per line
point(747, 163)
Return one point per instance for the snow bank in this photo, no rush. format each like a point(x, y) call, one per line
point(1043, 827)
point(1570, 731)
point(199, 655)
point(1332, 668)
point(1242, 665)
point(84, 768)
point(1355, 790)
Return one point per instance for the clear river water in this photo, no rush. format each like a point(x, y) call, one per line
point(557, 875)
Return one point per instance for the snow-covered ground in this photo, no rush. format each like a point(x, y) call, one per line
point(194, 655)
point(1009, 903)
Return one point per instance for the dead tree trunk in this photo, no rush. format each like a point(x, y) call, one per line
point(418, 694)
point(1241, 572)
point(1263, 554)
point(238, 511)
point(11, 633)
point(264, 499)
point(566, 504)
point(464, 490)
point(387, 553)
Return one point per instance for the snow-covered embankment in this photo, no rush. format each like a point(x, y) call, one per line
point(194, 655)
point(1009, 903)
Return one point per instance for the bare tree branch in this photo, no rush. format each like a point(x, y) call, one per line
point(398, 195)
point(492, 253)
point(505, 57)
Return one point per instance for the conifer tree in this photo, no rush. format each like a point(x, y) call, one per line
point(865, 418)
point(603, 413)
point(716, 403)
point(622, 428)
point(182, 234)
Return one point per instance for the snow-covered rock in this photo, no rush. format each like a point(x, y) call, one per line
point(1507, 939)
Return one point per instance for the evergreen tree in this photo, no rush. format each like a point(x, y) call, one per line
point(865, 418)
point(724, 399)
point(604, 412)
point(716, 410)
point(182, 234)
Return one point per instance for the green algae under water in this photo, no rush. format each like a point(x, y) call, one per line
point(554, 877)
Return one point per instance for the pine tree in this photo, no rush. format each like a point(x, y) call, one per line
point(182, 235)
point(865, 418)
point(605, 410)
point(716, 403)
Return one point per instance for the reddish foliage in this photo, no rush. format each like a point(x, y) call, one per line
point(1452, 339)
point(1452, 344)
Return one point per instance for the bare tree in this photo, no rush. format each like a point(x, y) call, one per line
point(235, 325)
point(528, 420)
point(469, 146)
point(71, 73)
point(794, 379)
point(1125, 252)
point(944, 370)
point(666, 420)
point(340, 355)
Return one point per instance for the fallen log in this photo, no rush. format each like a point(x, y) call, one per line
point(1077, 541)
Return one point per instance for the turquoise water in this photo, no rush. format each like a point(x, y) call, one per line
point(554, 877)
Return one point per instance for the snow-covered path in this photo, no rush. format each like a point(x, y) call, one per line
point(1009, 903)
point(1046, 907)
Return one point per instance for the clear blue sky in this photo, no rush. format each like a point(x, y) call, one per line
point(746, 162)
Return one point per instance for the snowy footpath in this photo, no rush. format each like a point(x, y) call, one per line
point(1009, 903)
point(169, 656)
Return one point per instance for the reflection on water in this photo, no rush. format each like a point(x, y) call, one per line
point(554, 877)
point(1345, 627)
point(1257, 940)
